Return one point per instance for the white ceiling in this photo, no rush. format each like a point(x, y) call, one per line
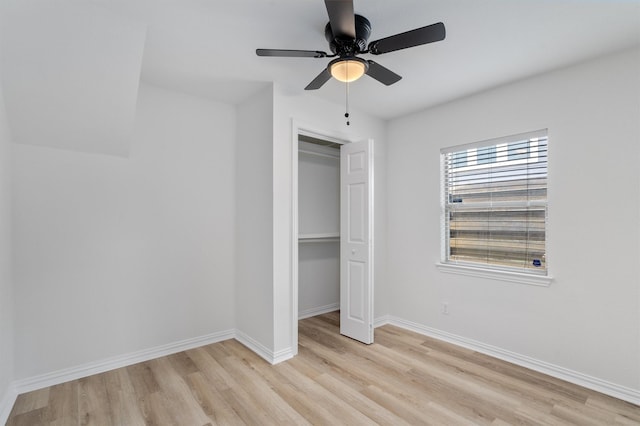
point(207, 48)
point(193, 45)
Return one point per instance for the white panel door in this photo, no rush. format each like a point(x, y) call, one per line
point(356, 240)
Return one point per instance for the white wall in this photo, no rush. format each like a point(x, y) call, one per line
point(321, 116)
point(254, 221)
point(318, 277)
point(115, 255)
point(6, 287)
point(588, 320)
point(318, 192)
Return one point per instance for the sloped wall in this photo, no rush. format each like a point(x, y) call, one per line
point(71, 75)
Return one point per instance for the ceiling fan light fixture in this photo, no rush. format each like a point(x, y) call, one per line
point(347, 70)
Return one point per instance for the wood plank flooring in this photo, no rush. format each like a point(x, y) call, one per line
point(402, 379)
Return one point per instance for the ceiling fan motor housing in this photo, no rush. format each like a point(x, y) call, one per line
point(347, 46)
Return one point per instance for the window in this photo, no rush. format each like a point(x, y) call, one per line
point(494, 204)
point(518, 150)
point(486, 155)
point(459, 159)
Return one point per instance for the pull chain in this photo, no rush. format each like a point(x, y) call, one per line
point(346, 114)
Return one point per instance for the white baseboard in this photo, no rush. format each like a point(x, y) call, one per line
point(96, 367)
point(307, 313)
point(56, 377)
point(282, 355)
point(380, 321)
point(84, 370)
point(265, 353)
point(575, 377)
point(6, 403)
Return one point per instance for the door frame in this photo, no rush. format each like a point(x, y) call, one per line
point(299, 127)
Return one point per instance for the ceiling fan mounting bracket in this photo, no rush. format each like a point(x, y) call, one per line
point(349, 46)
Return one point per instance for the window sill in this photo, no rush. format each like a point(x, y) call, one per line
point(514, 277)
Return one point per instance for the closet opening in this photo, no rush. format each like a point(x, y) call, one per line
point(318, 226)
point(332, 223)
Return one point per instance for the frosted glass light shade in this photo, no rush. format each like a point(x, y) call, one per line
point(348, 70)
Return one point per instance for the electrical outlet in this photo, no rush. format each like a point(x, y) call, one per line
point(445, 308)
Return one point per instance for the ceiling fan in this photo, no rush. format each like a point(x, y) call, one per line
point(347, 34)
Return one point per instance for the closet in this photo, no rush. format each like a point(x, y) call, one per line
point(318, 226)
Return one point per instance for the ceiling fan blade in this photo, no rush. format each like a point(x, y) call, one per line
point(319, 81)
point(341, 18)
point(417, 37)
point(382, 74)
point(291, 53)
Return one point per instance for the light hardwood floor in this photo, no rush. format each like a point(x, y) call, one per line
point(403, 378)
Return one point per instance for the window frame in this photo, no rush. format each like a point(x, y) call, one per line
point(496, 272)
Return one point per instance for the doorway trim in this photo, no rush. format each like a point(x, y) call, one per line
point(302, 128)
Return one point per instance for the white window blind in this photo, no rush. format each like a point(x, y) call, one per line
point(494, 203)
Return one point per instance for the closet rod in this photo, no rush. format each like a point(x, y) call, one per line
point(319, 154)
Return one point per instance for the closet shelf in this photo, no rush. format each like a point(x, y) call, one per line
point(319, 238)
point(319, 154)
